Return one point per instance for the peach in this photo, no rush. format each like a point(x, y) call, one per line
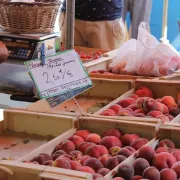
point(125, 171)
point(94, 138)
point(75, 165)
point(136, 177)
point(149, 104)
point(144, 92)
point(163, 118)
point(127, 102)
point(176, 154)
point(162, 108)
point(166, 143)
point(48, 163)
point(139, 143)
point(108, 112)
point(66, 146)
point(113, 132)
point(116, 108)
point(111, 163)
point(134, 96)
point(124, 112)
point(61, 163)
point(140, 101)
point(66, 156)
point(139, 111)
point(139, 115)
point(40, 159)
point(83, 133)
point(133, 107)
point(114, 150)
point(104, 158)
point(103, 171)
point(120, 158)
point(140, 165)
point(110, 141)
point(163, 160)
point(84, 145)
point(168, 174)
point(151, 173)
point(176, 168)
point(169, 116)
point(47, 156)
point(147, 153)
point(129, 109)
point(94, 163)
point(127, 139)
point(84, 158)
point(96, 151)
point(76, 155)
point(174, 111)
point(158, 99)
point(76, 140)
point(58, 153)
point(162, 149)
point(126, 151)
point(154, 113)
point(86, 169)
point(169, 101)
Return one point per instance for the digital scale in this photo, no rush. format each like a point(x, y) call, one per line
point(25, 47)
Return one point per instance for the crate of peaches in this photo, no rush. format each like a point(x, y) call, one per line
point(96, 147)
point(157, 99)
point(159, 159)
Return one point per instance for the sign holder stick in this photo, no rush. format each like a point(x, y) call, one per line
point(79, 107)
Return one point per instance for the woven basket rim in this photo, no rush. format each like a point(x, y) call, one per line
point(30, 4)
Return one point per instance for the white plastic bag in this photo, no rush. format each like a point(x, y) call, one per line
point(125, 54)
point(151, 57)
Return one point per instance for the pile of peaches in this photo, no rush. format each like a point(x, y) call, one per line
point(163, 163)
point(142, 104)
point(89, 152)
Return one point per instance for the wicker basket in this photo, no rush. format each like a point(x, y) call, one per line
point(38, 17)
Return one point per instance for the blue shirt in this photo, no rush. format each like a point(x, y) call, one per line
point(97, 10)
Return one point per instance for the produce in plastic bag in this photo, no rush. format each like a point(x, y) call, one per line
point(145, 56)
point(125, 53)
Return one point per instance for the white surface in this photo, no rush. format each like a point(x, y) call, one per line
point(6, 101)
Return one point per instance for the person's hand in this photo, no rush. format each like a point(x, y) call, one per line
point(3, 53)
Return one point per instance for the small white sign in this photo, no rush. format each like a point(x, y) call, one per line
point(61, 73)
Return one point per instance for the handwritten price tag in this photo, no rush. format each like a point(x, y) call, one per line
point(61, 75)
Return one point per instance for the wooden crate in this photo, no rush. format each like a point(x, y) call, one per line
point(22, 132)
point(165, 132)
point(95, 125)
point(174, 76)
point(100, 93)
point(159, 88)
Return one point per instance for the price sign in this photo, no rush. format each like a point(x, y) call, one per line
point(62, 77)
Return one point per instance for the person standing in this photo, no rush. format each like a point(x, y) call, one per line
point(98, 24)
point(140, 11)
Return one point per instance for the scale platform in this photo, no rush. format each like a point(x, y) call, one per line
point(23, 47)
